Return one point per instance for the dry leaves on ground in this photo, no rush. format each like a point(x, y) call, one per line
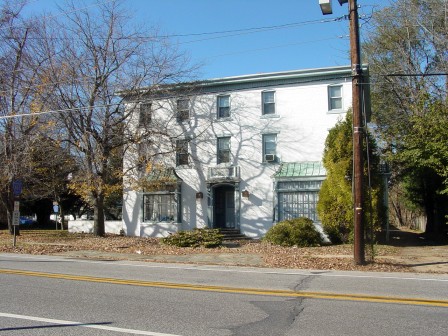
point(337, 257)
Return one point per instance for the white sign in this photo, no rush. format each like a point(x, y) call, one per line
point(15, 217)
point(16, 205)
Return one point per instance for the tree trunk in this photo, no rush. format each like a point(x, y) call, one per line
point(434, 208)
point(98, 216)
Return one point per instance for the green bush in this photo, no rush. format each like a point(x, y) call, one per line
point(335, 205)
point(196, 238)
point(298, 231)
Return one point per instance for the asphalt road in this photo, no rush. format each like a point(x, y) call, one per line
point(56, 296)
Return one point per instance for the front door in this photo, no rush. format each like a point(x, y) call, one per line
point(224, 207)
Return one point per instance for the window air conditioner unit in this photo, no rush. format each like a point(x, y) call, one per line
point(269, 157)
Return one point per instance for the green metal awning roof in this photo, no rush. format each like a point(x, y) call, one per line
point(167, 175)
point(158, 180)
point(301, 169)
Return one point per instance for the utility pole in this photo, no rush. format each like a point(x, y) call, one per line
point(358, 126)
point(358, 135)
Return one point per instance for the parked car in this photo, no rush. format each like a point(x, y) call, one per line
point(27, 221)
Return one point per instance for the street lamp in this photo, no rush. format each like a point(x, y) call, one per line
point(325, 6)
point(358, 129)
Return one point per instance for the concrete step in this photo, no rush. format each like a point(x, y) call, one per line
point(233, 234)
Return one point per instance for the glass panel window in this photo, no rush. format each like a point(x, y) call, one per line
point(268, 98)
point(335, 97)
point(223, 150)
point(298, 204)
point(159, 208)
point(181, 152)
point(144, 114)
point(223, 106)
point(269, 147)
point(183, 109)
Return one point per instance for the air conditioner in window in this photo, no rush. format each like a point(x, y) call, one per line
point(269, 157)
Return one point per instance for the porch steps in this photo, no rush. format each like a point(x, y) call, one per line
point(233, 234)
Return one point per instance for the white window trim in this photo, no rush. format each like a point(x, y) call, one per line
point(263, 148)
point(274, 103)
point(178, 164)
point(179, 111)
point(175, 209)
point(330, 110)
point(217, 149)
point(218, 107)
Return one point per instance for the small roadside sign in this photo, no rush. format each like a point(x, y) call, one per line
point(15, 218)
point(17, 187)
point(16, 205)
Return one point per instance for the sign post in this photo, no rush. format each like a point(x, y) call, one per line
point(15, 223)
point(56, 211)
point(16, 191)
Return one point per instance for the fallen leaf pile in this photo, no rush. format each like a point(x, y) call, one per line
point(338, 257)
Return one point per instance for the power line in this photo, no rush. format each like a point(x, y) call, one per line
point(225, 33)
point(35, 114)
point(262, 28)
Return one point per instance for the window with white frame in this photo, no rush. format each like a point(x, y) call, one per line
point(159, 208)
point(144, 113)
point(298, 199)
point(183, 109)
point(223, 150)
point(269, 147)
point(223, 106)
point(268, 100)
point(181, 152)
point(335, 97)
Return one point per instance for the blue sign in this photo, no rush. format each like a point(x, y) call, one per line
point(17, 187)
point(55, 208)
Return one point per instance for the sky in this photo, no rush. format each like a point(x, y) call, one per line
point(294, 35)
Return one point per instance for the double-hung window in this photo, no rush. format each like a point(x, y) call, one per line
point(181, 152)
point(183, 109)
point(223, 106)
point(268, 99)
point(223, 150)
point(269, 147)
point(335, 97)
point(144, 114)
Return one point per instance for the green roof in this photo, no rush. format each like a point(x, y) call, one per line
point(301, 169)
point(167, 175)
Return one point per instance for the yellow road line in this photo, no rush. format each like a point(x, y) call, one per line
point(234, 290)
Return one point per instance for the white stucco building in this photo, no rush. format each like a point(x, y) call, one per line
point(238, 152)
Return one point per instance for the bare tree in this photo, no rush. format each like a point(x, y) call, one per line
point(21, 96)
point(407, 53)
point(97, 54)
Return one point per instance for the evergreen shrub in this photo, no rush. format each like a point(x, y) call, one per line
point(299, 232)
point(197, 238)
